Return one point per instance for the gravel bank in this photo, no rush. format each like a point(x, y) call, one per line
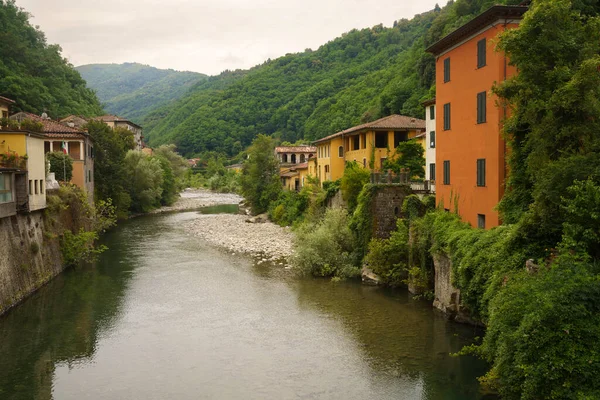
point(266, 241)
point(192, 199)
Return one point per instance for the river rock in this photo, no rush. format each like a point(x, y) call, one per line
point(369, 277)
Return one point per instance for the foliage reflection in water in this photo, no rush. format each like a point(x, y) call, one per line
point(162, 315)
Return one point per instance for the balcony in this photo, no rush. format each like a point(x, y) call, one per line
point(11, 160)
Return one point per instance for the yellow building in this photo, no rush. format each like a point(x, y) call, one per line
point(117, 122)
point(295, 177)
point(5, 106)
point(23, 171)
point(368, 144)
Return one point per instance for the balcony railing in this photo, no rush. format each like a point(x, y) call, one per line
point(403, 178)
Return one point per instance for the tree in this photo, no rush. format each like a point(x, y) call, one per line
point(109, 166)
point(260, 175)
point(411, 157)
point(353, 180)
point(554, 100)
point(145, 179)
point(61, 164)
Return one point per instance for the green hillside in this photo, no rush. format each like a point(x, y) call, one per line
point(360, 76)
point(34, 73)
point(134, 90)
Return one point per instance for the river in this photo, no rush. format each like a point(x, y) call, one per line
point(162, 315)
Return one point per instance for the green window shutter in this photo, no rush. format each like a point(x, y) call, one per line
point(481, 53)
point(447, 70)
point(432, 113)
point(446, 172)
point(447, 116)
point(432, 139)
point(481, 108)
point(481, 172)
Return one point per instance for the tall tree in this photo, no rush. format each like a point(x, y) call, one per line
point(260, 174)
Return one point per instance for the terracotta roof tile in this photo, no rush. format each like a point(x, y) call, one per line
point(51, 128)
point(7, 100)
point(391, 122)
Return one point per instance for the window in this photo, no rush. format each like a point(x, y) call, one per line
point(30, 187)
point(481, 221)
point(432, 139)
point(364, 163)
point(5, 188)
point(432, 172)
point(446, 172)
point(400, 137)
point(447, 116)
point(341, 151)
point(447, 70)
point(284, 158)
point(481, 111)
point(35, 186)
point(432, 112)
point(481, 172)
point(381, 140)
point(481, 54)
point(41, 186)
point(356, 142)
point(4, 114)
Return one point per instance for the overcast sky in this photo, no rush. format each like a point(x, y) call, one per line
point(205, 36)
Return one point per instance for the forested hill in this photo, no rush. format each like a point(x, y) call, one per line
point(134, 90)
point(34, 73)
point(360, 76)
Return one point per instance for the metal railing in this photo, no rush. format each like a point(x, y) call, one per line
point(403, 178)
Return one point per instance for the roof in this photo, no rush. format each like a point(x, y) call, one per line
point(420, 135)
point(428, 103)
point(114, 118)
point(391, 122)
point(51, 128)
point(288, 174)
point(295, 149)
point(487, 17)
point(7, 100)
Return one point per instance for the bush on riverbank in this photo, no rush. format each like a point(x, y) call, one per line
point(325, 248)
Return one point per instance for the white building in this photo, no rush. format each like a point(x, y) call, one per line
point(430, 173)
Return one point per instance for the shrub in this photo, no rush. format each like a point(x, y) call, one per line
point(325, 248)
point(388, 258)
point(79, 247)
point(355, 177)
point(543, 334)
point(289, 207)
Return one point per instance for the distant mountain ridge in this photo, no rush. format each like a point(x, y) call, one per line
point(134, 90)
point(359, 77)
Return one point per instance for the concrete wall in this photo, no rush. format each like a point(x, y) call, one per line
point(447, 297)
point(386, 208)
point(28, 257)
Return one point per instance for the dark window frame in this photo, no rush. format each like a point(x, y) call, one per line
point(432, 112)
point(481, 221)
point(432, 140)
point(447, 117)
point(446, 172)
point(481, 53)
point(481, 107)
point(432, 172)
point(481, 174)
point(379, 140)
point(447, 70)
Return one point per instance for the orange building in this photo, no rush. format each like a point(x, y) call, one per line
point(470, 159)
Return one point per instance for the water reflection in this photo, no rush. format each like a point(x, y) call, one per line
point(164, 316)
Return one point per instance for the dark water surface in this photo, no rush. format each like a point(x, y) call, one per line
point(164, 316)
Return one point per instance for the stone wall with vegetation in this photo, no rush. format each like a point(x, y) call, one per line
point(37, 246)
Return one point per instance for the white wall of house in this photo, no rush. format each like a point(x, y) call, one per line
point(36, 170)
point(431, 142)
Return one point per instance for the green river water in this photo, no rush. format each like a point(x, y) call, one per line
point(163, 315)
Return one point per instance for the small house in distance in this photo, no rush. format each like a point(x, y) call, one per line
point(117, 122)
point(291, 155)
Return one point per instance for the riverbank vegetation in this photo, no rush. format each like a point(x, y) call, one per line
point(134, 181)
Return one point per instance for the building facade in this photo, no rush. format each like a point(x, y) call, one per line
point(78, 144)
point(470, 151)
point(430, 129)
point(368, 144)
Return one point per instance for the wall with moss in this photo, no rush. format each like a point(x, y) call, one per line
point(30, 247)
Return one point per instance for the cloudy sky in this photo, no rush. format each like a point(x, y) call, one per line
point(205, 36)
